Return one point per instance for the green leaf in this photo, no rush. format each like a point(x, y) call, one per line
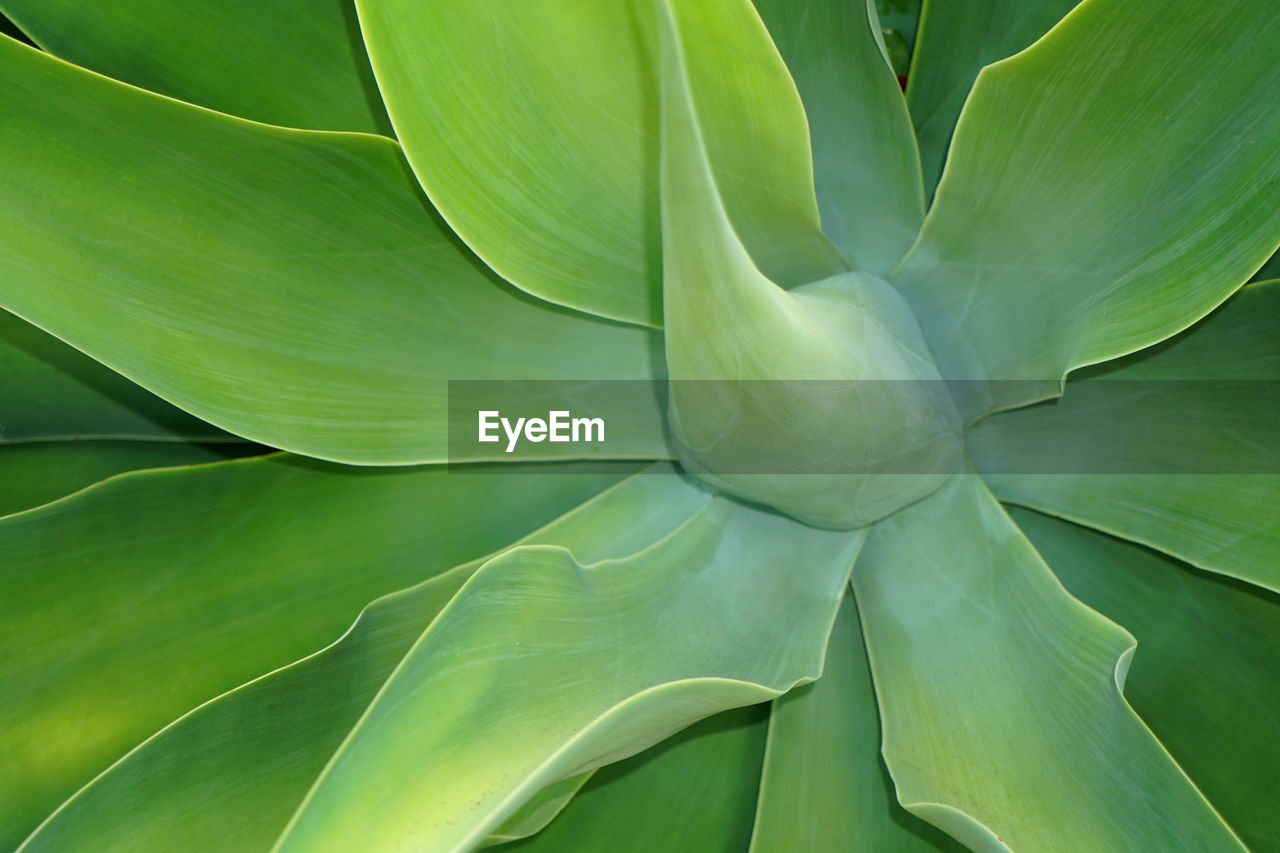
point(290, 286)
point(35, 473)
point(541, 669)
point(1204, 673)
point(1105, 189)
point(824, 787)
point(954, 42)
point(49, 390)
point(1175, 447)
point(1270, 270)
point(758, 422)
point(539, 811)
point(533, 127)
point(901, 17)
point(1000, 694)
point(864, 153)
point(127, 605)
point(293, 62)
point(228, 775)
point(692, 793)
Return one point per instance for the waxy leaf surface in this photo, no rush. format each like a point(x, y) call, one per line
point(1176, 447)
point(1203, 675)
point(1000, 694)
point(299, 63)
point(824, 785)
point(125, 606)
point(291, 286)
point(228, 775)
point(866, 169)
point(1105, 189)
point(533, 127)
point(542, 668)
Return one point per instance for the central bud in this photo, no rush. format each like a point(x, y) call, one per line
point(822, 401)
point(826, 405)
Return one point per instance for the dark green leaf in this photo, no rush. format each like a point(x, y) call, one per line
point(299, 63)
point(1204, 674)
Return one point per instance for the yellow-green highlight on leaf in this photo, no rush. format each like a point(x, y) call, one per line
point(542, 668)
point(227, 775)
point(49, 391)
point(840, 419)
point(954, 41)
point(533, 127)
point(1000, 694)
point(1182, 456)
point(1204, 674)
point(128, 604)
point(536, 813)
point(692, 793)
point(866, 169)
point(1105, 189)
point(824, 788)
point(293, 287)
point(37, 472)
point(299, 63)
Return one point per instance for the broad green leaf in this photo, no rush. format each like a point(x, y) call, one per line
point(127, 605)
point(533, 127)
point(291, 286)
point(34, 473)
point(758, 421)
point(1000, 694)
point(954, 41)
point(1204, 674)
point(227, 775)
point(49, 390)
point(541, 669)
point(293, 62)
point(1175, 447)
point(864, 152)
point(824, 788)
point(693, 793)
point(1105, 189)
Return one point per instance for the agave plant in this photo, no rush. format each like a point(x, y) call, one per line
point(895, 465)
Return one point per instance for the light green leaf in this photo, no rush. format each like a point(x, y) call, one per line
point(693, 793)
point(864, 152)
point(35, 473)
point(290, 286)
point(533, 126)
point(541, 669)
point(1000, 694)
point(953, 43)
point(1105, 189)
point(1204, 675)
point(824, 788)
point(758, 422)
point(127, 605)
point(293, 62)
point(49, 390)
point(1175, 447)
point(228, 775)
